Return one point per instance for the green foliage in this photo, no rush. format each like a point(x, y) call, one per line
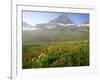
point(56, 54)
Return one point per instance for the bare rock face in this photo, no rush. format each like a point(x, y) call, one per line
point(63, 19)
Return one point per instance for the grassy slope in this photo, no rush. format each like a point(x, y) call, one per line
point(56, 54)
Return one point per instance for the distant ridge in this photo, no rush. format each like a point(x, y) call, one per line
point(29, 27)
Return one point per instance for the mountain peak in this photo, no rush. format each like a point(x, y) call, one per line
point(63, 18)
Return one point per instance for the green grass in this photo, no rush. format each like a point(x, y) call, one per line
point(55, 54)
